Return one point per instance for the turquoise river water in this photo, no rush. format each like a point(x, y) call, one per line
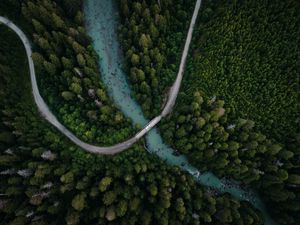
point(101, 24)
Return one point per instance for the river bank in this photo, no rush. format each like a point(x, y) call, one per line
point(101, 24)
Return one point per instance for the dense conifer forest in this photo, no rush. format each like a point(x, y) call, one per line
point(68, 74)
point(47, 180)
point(201, 128)
point(152, 37)
point(237, 114)
point(245, 53)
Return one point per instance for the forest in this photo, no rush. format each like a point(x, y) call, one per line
point(68, 73)
point(244, 59)
point(202, 130)
point(47, 180)
point(247, 53)
point(238, 110)
point(152, 34)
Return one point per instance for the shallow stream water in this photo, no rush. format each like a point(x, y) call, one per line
point(101, 23)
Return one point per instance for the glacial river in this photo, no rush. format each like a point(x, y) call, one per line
point(101, 24)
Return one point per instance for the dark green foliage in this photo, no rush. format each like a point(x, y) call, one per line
point(201, 130)
point(255, 72)
point(71, 7)
point(152, 36)
point(247, 53)
point(75, 187)
point(47, 180)
point(68, 73)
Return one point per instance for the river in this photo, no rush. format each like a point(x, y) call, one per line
point(101, 23)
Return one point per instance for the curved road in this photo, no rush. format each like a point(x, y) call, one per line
point(110, 150)
point(176, 86)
